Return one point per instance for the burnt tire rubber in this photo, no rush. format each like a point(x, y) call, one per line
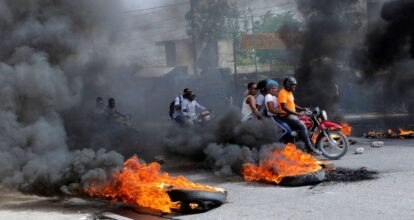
point(325, 153)
point(304, 180)
point(205, 200)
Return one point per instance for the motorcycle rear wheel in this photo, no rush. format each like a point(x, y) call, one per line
point(328, 151)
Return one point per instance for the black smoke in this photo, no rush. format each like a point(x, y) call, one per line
point(46, 51)
point(223, 144)
point(386, 58)
point(329, 30)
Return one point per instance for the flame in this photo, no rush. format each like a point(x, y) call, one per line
point(144, 185)
point(391, 134)
point(406, 132)
point(346, 129)
point(315, 137)
point(288, 162)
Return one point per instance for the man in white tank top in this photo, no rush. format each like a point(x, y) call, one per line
point(249, 109)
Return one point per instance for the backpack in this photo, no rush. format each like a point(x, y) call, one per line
point(172, 107)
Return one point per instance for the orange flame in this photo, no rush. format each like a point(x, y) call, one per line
point(406, 132)
point(144, 185)
point(391, 134)
point(288, 162)
point(346, 129)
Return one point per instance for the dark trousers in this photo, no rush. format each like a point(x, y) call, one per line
point(296, 124)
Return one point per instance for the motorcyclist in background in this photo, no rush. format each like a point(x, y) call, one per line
point(190, 106)
point(115, 118)
point(178, 113)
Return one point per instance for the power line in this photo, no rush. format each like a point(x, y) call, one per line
point(148, 35)
point(159, 7)
point(167, 20)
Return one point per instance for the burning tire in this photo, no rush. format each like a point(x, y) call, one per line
point(196, 201)
point(303, 180)
point(328, 150)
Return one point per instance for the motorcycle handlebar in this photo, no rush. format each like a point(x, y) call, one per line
point(308, 112)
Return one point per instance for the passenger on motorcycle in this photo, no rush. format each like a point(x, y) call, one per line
point(178, 113)
point(260, 99)
point(288, 114)
point(272, 110)
point(249, 109)
point(97, 117)
point(115, 118)
point(190, 106)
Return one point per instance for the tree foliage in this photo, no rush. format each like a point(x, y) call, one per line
point(210, 18)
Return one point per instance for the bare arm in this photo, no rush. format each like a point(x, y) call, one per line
point(271, 107)
point(252, 103)
point(287, 110)
point(300, 108)
point(177, 103)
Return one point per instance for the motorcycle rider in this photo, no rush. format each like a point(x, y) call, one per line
point(98, 118)
point(286, 103)
point(271, 107)
point(249, 109)
point(189, 106)
point(178, 113)
point(260, 99)
point(114, 117)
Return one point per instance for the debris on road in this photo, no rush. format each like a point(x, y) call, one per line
point(359, 150)
point(377, 144)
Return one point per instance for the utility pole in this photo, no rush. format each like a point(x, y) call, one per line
point(254, 45)
point(235, 60)
point(193, 37)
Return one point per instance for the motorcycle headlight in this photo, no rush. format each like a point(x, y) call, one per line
point(324, 115)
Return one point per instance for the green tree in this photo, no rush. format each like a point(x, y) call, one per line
point(211, 19)
point(270, 23)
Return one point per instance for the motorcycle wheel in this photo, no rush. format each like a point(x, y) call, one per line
point(328, 151)
point(196, 201)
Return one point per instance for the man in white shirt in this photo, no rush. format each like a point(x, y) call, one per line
point(190, 106)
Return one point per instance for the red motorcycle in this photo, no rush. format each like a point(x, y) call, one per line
point(326, 135)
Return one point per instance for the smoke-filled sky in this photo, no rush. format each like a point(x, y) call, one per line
point(56, 57)
point(47, 51)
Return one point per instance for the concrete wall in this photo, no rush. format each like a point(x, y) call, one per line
point(225, 54)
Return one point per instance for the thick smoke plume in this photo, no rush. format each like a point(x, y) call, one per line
point(329, 25)
point(387, 56)
point(225, 143)
point(46, 49)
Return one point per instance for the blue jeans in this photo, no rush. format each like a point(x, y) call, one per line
point(286, 136)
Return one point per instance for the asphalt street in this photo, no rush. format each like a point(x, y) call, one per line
point(391, 196)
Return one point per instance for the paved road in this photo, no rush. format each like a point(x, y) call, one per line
point(389, 197)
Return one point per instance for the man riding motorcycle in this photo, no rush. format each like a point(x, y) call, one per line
point(190, 106)
point(290, 115)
